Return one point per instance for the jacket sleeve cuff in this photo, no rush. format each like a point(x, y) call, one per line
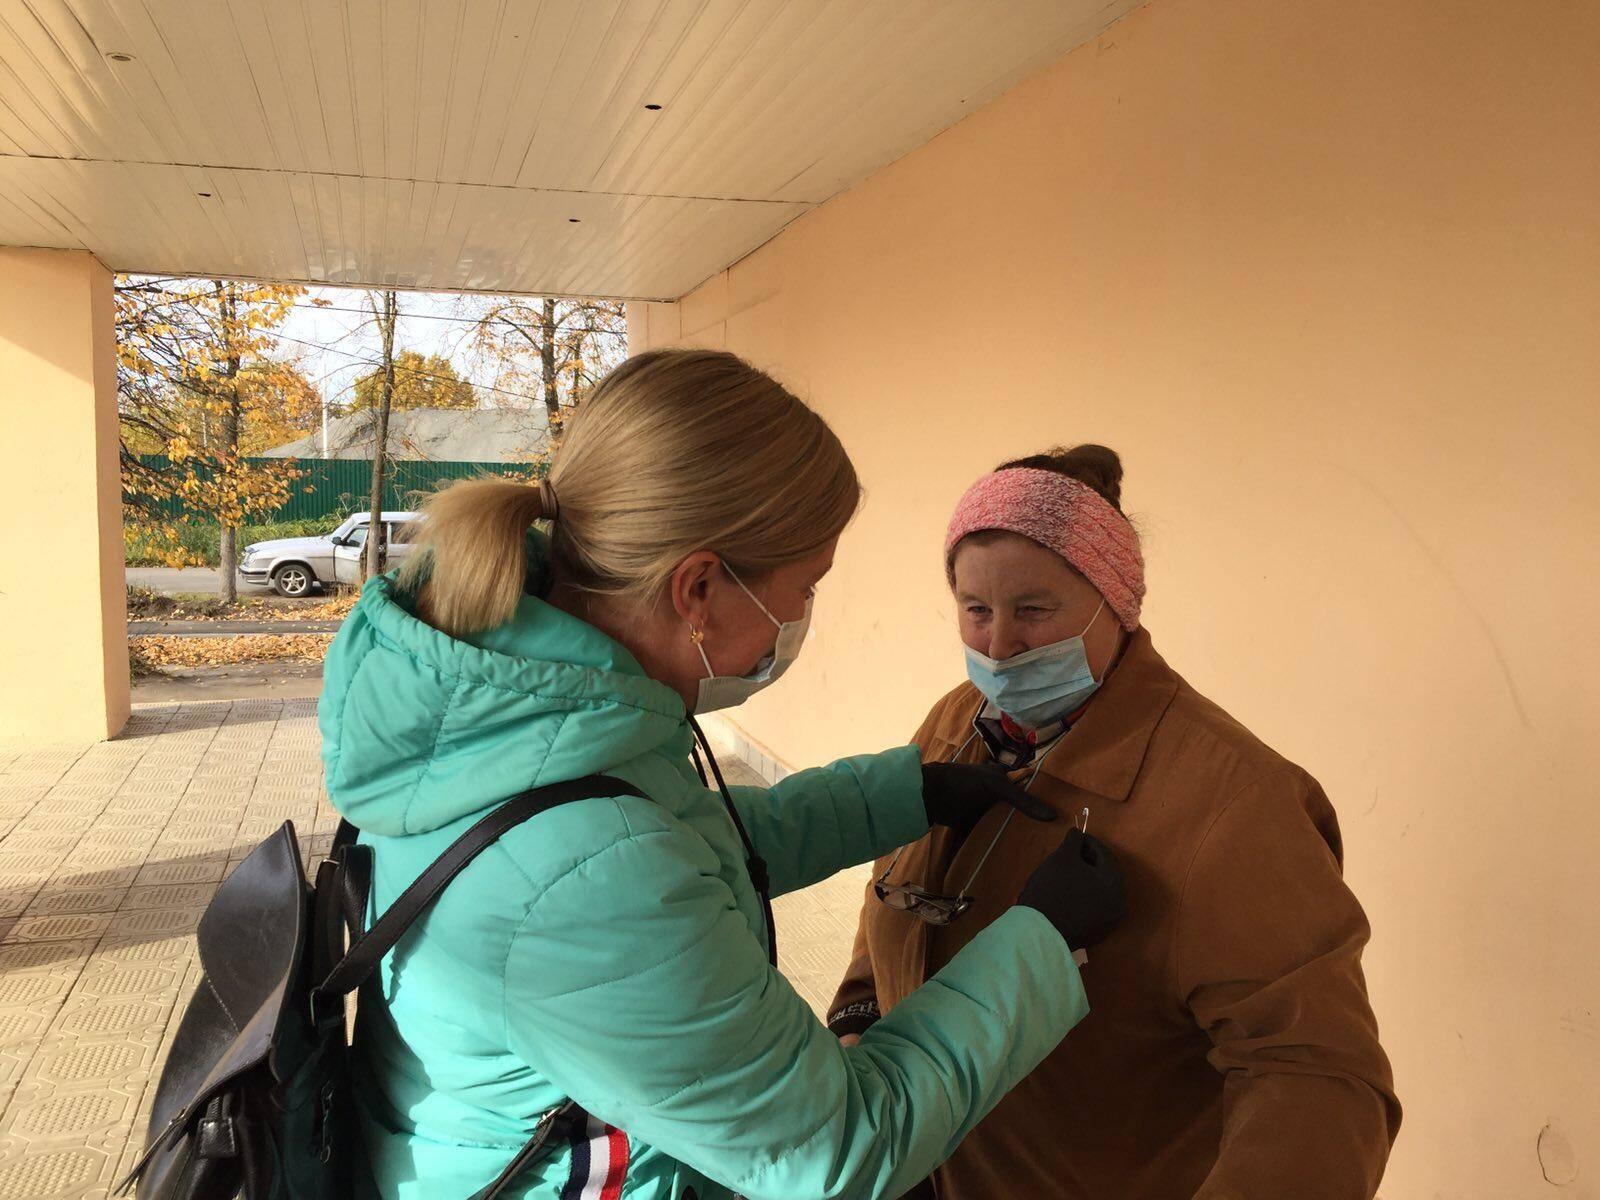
point(854, 1018)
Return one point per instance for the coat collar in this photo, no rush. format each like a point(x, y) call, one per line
point(1107, 744)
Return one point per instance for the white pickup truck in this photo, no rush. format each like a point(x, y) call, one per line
point(294, 566)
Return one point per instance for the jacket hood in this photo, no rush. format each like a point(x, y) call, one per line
point(420, 729)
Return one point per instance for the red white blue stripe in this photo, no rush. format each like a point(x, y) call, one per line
point(599, 1163)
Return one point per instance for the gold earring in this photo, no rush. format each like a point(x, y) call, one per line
point(696, 635)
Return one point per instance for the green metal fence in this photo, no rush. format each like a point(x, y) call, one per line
point(337, 486)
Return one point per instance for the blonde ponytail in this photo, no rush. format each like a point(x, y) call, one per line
point(674, 451)
point(472, 543)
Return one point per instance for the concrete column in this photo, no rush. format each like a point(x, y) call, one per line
point(63, 613)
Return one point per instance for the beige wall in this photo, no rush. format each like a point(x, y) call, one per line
point(1328, 275)
point(63, 616)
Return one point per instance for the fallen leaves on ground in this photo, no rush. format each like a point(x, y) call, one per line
point(155, 653)
point(146, 605)
point(335, 608)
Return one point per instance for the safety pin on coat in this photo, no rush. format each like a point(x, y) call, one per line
point(1082, 956)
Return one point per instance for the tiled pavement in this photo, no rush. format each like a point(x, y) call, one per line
point(108, 856)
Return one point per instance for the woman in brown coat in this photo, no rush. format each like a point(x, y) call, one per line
point(1230, 1053)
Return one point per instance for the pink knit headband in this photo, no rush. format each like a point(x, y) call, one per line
point(1063, 515)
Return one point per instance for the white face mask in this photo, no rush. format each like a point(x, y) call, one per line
point(728, 691)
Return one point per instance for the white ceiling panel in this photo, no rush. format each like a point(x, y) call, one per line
point(449, 143)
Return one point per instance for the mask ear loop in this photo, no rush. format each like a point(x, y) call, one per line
point(698, 637)
point(1085, 634)
point(754, 599)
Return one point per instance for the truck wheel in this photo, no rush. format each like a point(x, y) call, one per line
point(292, 580)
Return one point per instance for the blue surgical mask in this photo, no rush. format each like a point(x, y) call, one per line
point(1038, 686)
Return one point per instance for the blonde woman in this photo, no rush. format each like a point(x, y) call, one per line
point(617, 953)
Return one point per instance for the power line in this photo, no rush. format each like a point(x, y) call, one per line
point(484, 387)
point(462, 320)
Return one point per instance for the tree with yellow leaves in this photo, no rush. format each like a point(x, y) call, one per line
point(195, 360)
point(553, 351)
point(281, 404)
point(420, 381)
point(550, 350)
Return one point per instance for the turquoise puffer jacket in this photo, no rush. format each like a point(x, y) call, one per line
point(613, 951)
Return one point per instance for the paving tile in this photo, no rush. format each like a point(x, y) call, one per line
point(76, 900)
point(154, 921)
point(62, 1173)
point(169, 895)
point(127, 983)
point(115, 817)
point(79, 1113)
point(796, 903)
point(815, 956)
point(154, 789)
point(33, 991)
point(57, 841)
point(116, 951)
point(24, 958)
point(15, 861)
point(807, 926)
point(199, 870)
point(65, 1061)
point(83, 791)
point(106, 848)
point(16, 897)
point(13, 1062)
point(152, 771)
point(254, 828)
point(72, 874)
point(22, 1026)
point(58, 928)
point(109, 1020)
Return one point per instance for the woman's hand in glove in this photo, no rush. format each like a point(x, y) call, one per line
point(958, 794)
point(1078, 889)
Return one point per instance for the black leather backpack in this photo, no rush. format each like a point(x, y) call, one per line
point(253, 1101)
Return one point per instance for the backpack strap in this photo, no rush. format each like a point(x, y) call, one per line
point(368, 950)
point(348, 868)
point(561, 1119)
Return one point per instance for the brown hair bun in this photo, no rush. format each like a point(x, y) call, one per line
point(1098, 466)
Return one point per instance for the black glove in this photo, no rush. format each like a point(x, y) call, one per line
point(958, 794)
point(1079, 890)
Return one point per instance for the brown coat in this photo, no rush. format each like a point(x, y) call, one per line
point(1230, 1053)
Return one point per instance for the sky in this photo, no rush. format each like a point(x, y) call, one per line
point(336, 345)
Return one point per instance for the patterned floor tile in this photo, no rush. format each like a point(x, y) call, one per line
point(58, 928)
point(61, 902)
point(198, 870)
point(58, 1173)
